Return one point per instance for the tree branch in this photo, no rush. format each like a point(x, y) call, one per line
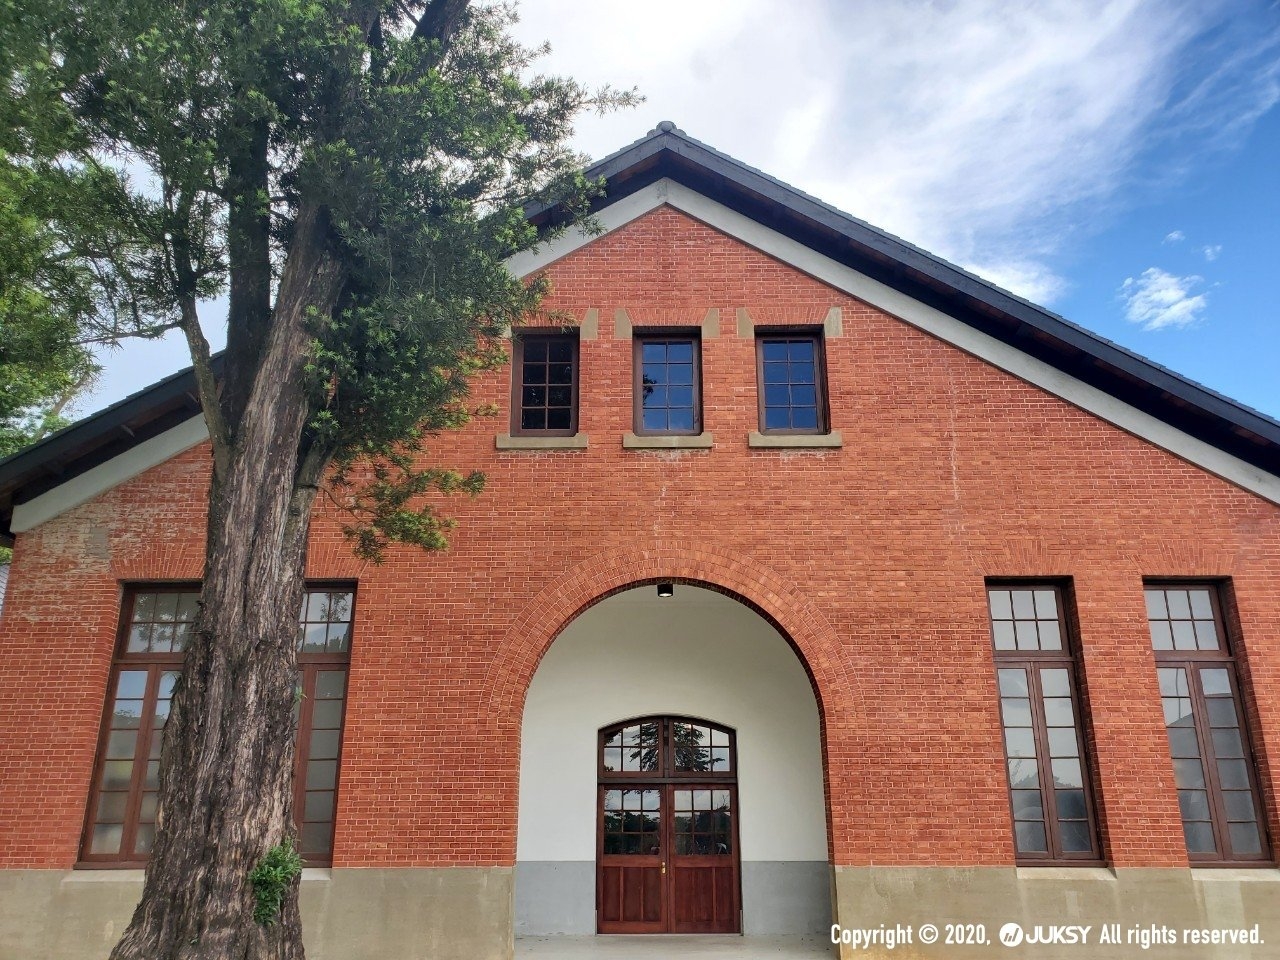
point(207, 388)
point(440, 21)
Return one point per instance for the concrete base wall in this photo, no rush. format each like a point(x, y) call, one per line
point(1136, 899)
point(406, 914)
point(778, 897)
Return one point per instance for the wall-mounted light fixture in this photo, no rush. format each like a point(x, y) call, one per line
point(666, 589)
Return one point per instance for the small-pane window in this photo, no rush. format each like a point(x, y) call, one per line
point(1208, 743)
point(790, 382)
point(156, 627)
point(667, 384)
point(545, 384)
point(1050, 793)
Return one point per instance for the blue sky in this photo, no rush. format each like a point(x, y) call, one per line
point(1117, 161)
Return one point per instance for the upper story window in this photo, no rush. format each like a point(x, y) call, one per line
point(544, 384)
point(790, 379)
point(1040, 706)
point(155, 626)
point(668, 383)
point(1208, 738)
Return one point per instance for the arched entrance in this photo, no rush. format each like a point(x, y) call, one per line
point(667, 855)
point(704, 659)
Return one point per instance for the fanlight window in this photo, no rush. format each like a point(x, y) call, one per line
point(666, 747)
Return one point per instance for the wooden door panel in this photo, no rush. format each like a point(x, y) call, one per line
point(631, 899)
point(704, 899)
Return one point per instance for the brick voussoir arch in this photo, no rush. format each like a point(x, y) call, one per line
point(602, 575)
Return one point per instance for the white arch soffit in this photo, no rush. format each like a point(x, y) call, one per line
point(158, 449)
point(920, 315)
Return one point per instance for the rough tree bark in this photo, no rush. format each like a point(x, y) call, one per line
point(226, 765)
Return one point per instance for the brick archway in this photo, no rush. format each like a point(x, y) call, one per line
point(603, 575)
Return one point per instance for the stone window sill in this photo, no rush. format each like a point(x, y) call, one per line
point(794, 441)
point(700, 441)
point(505, 441)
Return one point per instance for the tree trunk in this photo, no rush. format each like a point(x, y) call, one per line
point(226, 767)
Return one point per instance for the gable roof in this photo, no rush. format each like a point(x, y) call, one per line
point(668, 154)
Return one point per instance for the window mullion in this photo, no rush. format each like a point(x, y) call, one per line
point(1044, 762)
point(141, 755)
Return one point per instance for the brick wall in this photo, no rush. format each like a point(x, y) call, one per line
point(871, 558)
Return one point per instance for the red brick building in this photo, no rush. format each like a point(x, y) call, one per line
point(973, 619)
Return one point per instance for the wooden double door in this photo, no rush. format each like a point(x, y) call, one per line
point(667, 839)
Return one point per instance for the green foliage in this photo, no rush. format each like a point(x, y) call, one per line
point(271, 880)
point(166, 133)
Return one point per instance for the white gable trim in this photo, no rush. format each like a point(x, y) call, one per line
point(941, 325)
point(91, 483)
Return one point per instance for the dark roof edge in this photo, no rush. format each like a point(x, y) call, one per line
point(667, 137)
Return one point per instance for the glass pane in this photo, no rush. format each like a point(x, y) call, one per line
point(1074, 835)
point(1027, 806)
point(326, 714)
point(147, 809)
point(1199, 837)
point(127, 714)
point(1194, 804)
point(1046, 605)
point(1070, 804)
point(1201, 607)
point(1025, 630)
point(1067, 773)
point(1054, 683)
point(1206, 635)
point(679, 419)
point(322, 774)
point(1239, 804)
point(1013, 683)
point(1024, 605)
point(1057, 712)
point(144, 838)
point(559, 418)
point(1182, 742)
point(324, 745)
point(1156, 608)
point(1161, 635)
point(111, 807)
point(1050, 635)
point(330, 684)
point(131, 684)
point(1016, 711)
point(1222, 711)
point(117, 774)
point(318, 805)
point(1233, 775)
point(122, 745)
point(140, 639)
point(1184, 635)
point(1030, 837)
point(106, 838)
point(1062, 742)
point(1002, 634)
point(1227, 743)
point(1179, 607)
point(1001, 605)
point(1020, 742)
point(680, 351)
point(774, 350)
point(1023, 775)
point(339, 637)
point(1173, 681)
point(1188, 774)
point(314, 636)
point(1245, 840)
point(151, 781)
point(533, 419)
point(317, 838)
point(1215, 682)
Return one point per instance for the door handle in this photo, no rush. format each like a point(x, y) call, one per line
point(664, 868)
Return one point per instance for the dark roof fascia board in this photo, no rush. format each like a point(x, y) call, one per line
point(665, 145)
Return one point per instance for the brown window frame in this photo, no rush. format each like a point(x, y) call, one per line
point(665, 335)
point(158, 663)
point(1193, 662)
point(519, 339)
point(1034, 662)
point(667, 770)
point(772, 335)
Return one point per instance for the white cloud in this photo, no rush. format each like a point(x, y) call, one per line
point(1212, 252)
point(1176, 236)
point(984, 131)
point(1158, 299)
